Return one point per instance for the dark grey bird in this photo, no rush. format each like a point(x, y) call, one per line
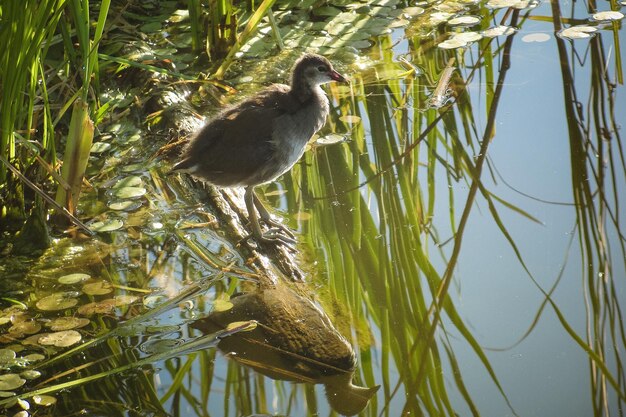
point(261, 138)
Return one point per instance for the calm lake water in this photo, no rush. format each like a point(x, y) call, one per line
point(464, 237)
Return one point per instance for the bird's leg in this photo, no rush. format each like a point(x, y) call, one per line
point(267, 218)
point(273, 234)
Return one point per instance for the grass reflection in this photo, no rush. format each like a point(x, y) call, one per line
point(373, 228)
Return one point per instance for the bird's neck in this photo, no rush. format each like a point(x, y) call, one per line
point(305, 92)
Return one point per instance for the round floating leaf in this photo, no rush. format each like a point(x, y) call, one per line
point(242, 326)
point(56, 301)
point(350, 119)
point(30, 374)
point(222, 305)
point(468, 36)
point(7, 357)
point(608, 15)
point(102, 307)
point(10, 381)
point(126, 205)
point(159, 346)
point(330, 139)
point(61, 339)
point(100, 147)
point(498, 31)
point(67, 323)
point(152, 301)
point(464, 21)
point(25, 327)
point(439, 17)
point(129, 192)
point(97, 288)
point(516, 4)
point(124, 299)
point(34, 357)
point(44, 400)
point(452, 44)
point(412, 12)
point(107, 226)
point(132, 181)
point(578, 32)
point(73, 278)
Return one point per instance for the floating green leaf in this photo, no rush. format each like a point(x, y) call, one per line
point(578, 32)
point(131, 181)
point(60, 339)
point(67, 323)
point(126, 205)
point(222, 305)
point(56, 301)
point(100, 147)
point(73, 278)
point(608, 15)
point(97, 288)
point(129, 192)
point(107, 225)
point(25, 327)
point(44, 400)
point(10, 381)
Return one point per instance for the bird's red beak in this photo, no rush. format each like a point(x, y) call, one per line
point(338, 77)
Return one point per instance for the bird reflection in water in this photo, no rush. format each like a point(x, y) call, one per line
point(294, 341)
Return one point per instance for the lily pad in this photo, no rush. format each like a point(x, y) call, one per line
point(67, 323)
point(100, 147)
point(464, 21)
point(11, 381)
point(129, 192)
point(34, 357)
point(412, 12)
point(125, 205)
point(101, 307)
point(131, 181)
point(7, 357)
point(30, 374)
point(25, 327)
point(222, 305)
point(159, 346)
point(516, 4)
point(242, 326)
point(97, 288)
point(44, 400)
point(498, 31)
point(578, 32)
point(61, 339)
point(56, 301)
point(73, 278)
point(107, 226)
point(124, 299)
point(607, 16)
point(331, 139)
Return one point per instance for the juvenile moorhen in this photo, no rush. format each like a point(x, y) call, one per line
point(261, 138)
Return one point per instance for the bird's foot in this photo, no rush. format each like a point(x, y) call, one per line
point(276, 235)
point(273, 236)
point(275, 227)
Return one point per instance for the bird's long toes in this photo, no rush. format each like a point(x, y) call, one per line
point(274, 226)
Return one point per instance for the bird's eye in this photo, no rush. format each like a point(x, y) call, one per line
point(322, 68)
